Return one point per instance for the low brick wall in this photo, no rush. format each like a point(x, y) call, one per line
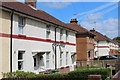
point(66, 69)
point(94, 77)
point(117, 65)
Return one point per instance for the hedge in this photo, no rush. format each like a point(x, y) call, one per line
point(83, 74)
point(74, 75)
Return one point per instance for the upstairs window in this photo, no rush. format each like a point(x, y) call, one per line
point(66, 35)
point(21, 24)
point(61, 34)
point(48, 31)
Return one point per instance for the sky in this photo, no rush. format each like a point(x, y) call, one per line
point(102, 16)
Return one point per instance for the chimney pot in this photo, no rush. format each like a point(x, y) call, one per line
point(92, 30)
point(31, 3)
point(74, 21)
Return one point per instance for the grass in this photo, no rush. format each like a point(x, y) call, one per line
point(89, 68)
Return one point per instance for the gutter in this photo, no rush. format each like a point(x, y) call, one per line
point(11, 40)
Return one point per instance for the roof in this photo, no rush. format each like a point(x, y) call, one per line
point(40, 14)
point(100, 36)
point(79, 29)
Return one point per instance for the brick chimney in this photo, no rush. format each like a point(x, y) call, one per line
point(74, 21)
point(31, 3)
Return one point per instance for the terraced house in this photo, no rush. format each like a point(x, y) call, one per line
point(32, 40)
point(104, 45)
point(84, 40)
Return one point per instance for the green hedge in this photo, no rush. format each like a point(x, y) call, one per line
point(74, 75)
point(83, 74)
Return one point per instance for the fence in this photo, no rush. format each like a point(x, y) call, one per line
point(96, 63)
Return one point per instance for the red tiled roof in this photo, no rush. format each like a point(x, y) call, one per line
point(23, 8)
point(79, 29)
point(76, 27)
point(100, 36)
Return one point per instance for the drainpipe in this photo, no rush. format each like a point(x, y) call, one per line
point(55, 50)
point(11, 40)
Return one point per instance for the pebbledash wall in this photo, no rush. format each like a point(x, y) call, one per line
point(4, 42)
point(103, 48)
point(35, 29)
point(31, 50)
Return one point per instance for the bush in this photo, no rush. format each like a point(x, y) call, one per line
point(19, 74)
point(83, 74)
point(74, 75)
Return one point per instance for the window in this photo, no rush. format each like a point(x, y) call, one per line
point(66, 58)
point(61, 34)
point(61, 56)
point(73, 59)
point(47, 60)
point(48, 31)
point(20, 60)
point(21, 24)
point(66, 35)
point(35, 62)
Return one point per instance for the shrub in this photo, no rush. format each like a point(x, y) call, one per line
point(83, 74)
point(19, 74)
point(74, 75)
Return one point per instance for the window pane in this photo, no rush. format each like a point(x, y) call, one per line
point(20, 29)
point(35, 63)
point(47, 55)
point(20, 55)
point(66, 58)
point(47, 31)
point(47, 64)
point(61, 56)
point(21, 24)
point(20, 65)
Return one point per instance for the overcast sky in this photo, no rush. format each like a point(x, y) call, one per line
point(103, 16)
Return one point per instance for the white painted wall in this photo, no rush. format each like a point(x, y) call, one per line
point(38, 30)
point(101, 51)
point(104, 51)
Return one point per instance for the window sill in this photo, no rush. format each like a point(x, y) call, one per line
point(49, 69)
point(21, 35)
point(67, 42)
point(48, 39)
point(67, 66)
point(61, 41)
point(62, 68)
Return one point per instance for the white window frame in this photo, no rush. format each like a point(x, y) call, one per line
point(48, 60)
point(21, 60)
point(48, 31)
point(21, 24)
point(61, 58)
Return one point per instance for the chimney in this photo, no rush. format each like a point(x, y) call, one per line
point(74, 21)
point(92, 30)
point(31, 3)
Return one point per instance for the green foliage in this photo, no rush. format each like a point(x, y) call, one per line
point(19, 74)
point(83, 74)
point(74, 75)
point(117, 39)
